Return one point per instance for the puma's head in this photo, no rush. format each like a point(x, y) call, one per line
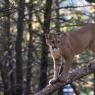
point(52, 40)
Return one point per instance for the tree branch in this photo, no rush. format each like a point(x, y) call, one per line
point(74, 75)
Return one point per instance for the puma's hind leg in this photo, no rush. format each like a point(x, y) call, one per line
point(64, 76)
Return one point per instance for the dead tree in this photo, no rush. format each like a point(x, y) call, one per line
point(74, 75)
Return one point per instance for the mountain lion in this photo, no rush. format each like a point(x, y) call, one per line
point(67, 45)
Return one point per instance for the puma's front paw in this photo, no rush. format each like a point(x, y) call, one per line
point(53, 81)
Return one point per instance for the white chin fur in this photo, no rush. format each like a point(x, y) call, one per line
point(55, 49)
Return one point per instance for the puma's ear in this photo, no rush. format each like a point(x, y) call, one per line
point(48, 36)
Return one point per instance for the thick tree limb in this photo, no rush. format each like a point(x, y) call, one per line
point(74, 75)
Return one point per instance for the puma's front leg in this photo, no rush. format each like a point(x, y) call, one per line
point(56, 71)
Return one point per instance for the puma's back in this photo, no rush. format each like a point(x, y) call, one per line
point(80, 39)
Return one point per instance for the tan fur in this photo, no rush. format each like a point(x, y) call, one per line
point(68, 45)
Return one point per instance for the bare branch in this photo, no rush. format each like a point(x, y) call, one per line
point(74, 75)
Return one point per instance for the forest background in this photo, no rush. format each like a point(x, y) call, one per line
point(25, 62)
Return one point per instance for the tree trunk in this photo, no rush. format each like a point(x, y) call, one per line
point(18, 48)
point(30, 51)
point(44, 59)
point(9, 48)
point(57, 24)
point(5, 69)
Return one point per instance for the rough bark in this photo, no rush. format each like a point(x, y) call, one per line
point(44, 59)
point(57, 16)
point(74, 75)
point(9, 49)
point(5, 69)
point(19, 39)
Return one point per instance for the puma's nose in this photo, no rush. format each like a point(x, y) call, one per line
point(54, 46)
